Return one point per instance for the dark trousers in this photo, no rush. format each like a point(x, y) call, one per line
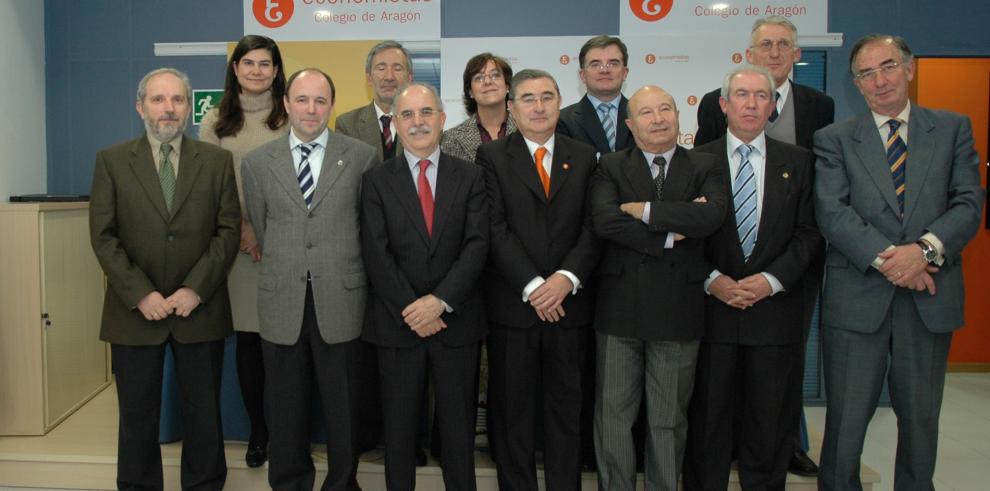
point(138, 372)
point(403, 382)
point(524, 363)
point(251, 378)
point(292, 371)
point(744, 394)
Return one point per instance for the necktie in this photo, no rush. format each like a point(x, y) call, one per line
point(387, 140)
point(306, 182)
point(608, 125)
point(660, 162)
point(425, 196)
point(774, 115)
point(166, 175)
point(744, 201)
point(544, 177)
point(896, 157)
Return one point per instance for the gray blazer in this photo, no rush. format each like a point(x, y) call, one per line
point(463, 140)
point(362, 123)
point(323, 241)
point(858, 214)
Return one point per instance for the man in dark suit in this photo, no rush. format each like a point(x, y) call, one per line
point(598, 119)
point(799, 112)
point(542, 254)
point(164, 224)
point(653, 217)
point(386, 69)
point(897, 196)
point(302, 194)
point(424, 256)
point(750, 360)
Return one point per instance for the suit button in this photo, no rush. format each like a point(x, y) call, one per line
point(309, 215)
point(309, 246)
point(171, 238)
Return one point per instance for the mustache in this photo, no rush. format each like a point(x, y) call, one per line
point(421, 129)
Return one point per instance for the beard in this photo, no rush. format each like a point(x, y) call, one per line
point(168, 130)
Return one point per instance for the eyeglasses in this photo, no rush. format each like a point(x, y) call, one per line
point(481, 77)
point(603, 67)
point(531, 99)
point(783, 45)
point(426, 112)
point(886, 69)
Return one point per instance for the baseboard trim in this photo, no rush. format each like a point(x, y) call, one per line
point(968, 367)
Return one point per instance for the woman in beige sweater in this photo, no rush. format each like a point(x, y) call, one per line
point(250, 114)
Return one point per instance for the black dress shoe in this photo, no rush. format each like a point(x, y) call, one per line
point(802, 465)
point(256, 455)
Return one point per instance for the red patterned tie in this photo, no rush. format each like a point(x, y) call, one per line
point(425, 196)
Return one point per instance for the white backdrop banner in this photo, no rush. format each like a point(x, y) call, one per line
point(644, 17)
point(328, 20)
point(685, 66)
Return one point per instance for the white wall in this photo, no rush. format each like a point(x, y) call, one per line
point(23, 154)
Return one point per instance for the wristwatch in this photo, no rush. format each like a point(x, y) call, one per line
point(928, 250)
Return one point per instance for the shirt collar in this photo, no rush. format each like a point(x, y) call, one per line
point(156, 144)
point(759, 143)
point(668, 155)
point(294, 140)
point(533, 145)
point(784, 89)
point(378, 111)
point(881, 120)
point(595, 102)
point(413, 161)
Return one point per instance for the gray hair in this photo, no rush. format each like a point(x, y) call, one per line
point(898, 42)
point(142, 89)
point(774, 20)
point(746, 69)
point(530, 74)
point(382, 46)
point(433, 90)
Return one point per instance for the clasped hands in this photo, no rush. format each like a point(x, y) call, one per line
point(423, 316)
point(636, 210)
point(155, 307)
point(740, 294)
point(547, 299)
point(905, 266)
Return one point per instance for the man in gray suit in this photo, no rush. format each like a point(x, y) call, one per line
point(897, 197)
point(302, 194)
point(386, 69)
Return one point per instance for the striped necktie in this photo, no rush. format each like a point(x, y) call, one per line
point(166, 175)
point(608, 125)
point(896, 158)
point(744, 201)
point(306, 183)
point(775, 114)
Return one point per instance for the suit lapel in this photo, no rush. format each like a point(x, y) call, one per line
point(371, 131)
point(623, 138)
point(404, 188)
point(637, 171)
point(777, 175)
point(523, 165)
point(189, 167)
point(448, 184)
point(560, 167)
point(919, 158)
point(335, 161)
point(588, 115)
point(872, 154)
point(284, 170)
point(678, 176)
point(802, 116)
point(143, 166)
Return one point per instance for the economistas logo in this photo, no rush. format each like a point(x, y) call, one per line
point(651, 10)
point(272, 13)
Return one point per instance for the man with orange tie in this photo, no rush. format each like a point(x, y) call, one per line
point(539, 309)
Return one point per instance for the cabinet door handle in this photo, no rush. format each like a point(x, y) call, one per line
point(47, 319)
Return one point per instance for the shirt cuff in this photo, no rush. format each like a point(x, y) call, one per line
point(711, 277)
point(878, 261)
point(669, 243)
point(646, 213)
point(775, 286)
point(446, 308)
point(574, 280)
point(532, 285)
point(937, 244)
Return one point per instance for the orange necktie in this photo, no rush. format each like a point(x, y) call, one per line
point(544, 177)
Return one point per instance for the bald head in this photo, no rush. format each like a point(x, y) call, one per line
point(653, 119)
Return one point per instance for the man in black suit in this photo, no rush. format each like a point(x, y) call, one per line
point(598, 119)
point(424, 256)
point(653, 217)
point(542, 254)
point(750, 362)
point(799, 112)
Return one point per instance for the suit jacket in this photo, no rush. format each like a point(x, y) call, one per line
point(362, 123)
point(646, 291)
point(786, 242)
point(533, 235)
point(323, 241)
point(464, 139)
point(405, 263)
point(581, 122)
point(858, 214)
point(144, 248)
point(813, 110)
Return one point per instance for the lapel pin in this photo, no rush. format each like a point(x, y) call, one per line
point(567, 166)
point(786, 175)
point(340, 162)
